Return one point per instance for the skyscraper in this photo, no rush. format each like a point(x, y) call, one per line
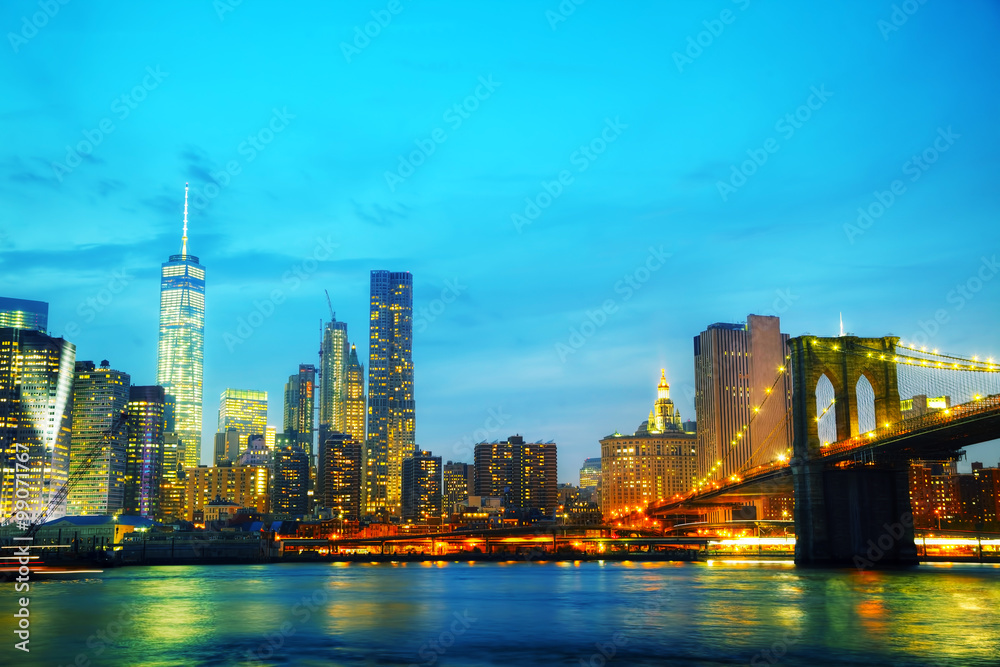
point(391, 414)
point(737, 369)
point(244, 410)
point(300, 395)
point(172, 482)
point(172, 485)
point(458, 484)
point(291, 481)
point(180, 355)
point(590, 473)
point(24, 314)
point(36, 384)
point(333, 369)
point(227, 447)
point(354, 404)
point(100, 440)
point(340, 476)
point(144, 456)
point(421, 486)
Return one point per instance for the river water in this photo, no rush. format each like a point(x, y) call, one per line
point(595, 613)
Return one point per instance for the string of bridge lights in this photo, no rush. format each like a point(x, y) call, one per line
point(954, 363)
point(781, 457)
point(744, 429)
point(906, 359)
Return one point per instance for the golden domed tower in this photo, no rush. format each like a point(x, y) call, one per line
point(663, 417)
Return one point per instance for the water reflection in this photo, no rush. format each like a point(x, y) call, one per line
point(520, 613)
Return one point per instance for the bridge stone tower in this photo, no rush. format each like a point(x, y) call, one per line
point(858, 515)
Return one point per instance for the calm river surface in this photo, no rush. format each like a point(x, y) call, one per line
point(719, 613)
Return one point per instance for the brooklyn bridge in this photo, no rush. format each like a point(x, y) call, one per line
point(860, 410)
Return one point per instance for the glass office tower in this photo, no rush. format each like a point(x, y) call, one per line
point(24, 314)
point(36, 383)
point(180, 359)
point(391, 414)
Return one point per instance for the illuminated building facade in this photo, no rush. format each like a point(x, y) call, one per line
point(341, 475)
point(984, 505)
point(98, 451)
point(144, 456)
point(334, 349)
point(354, 404)
point(642, 468)
point(654, 463)
point(36, 384)
point(941, 497)
point(421, 487)
point(270, 434)
point(173, 484)
point(391, 412)
point(257, 453)
point(180, 354)
point(24, 314)
point(244, 410)
point(300, 395)
point(921, 405)
point(459, 481)
point(246, 486)
point(935, 493)
point(522, 473)
point(590, 473)
point(736, 366)
point(291, 481)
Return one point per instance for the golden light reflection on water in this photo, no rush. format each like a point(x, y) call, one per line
point(944, 613)
point(172, 609)
point(872, 614)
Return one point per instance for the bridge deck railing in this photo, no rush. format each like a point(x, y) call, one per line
point(913, 424)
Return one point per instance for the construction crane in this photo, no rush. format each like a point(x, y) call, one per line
point(333, 315)
point(77, 474)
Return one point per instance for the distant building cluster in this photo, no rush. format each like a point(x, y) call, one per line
point(96, 445)
point(736, 428)
point(941, 497)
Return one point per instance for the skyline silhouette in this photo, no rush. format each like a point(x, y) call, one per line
point(812, 178)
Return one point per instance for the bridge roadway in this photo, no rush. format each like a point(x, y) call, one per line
point(936, 434)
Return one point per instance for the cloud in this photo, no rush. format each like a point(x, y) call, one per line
point(108, 186)
point(379, 215)
point(18, 171)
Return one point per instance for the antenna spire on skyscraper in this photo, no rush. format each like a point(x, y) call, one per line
point(841, 324)
point(184, 238)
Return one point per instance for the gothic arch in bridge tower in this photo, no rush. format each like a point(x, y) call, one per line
point(826, 409)
point(844, 361)
point(864, 390)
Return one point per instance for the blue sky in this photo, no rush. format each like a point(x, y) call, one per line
point(664, 130)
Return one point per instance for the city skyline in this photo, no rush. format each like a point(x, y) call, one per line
point(619, 218)
point(379, 332)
